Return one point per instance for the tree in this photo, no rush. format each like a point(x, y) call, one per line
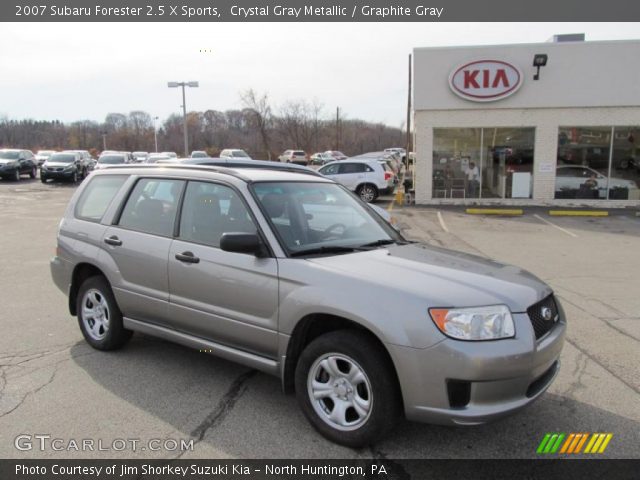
point(258, 106)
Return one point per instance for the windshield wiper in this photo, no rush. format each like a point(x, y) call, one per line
point(325, 249)
point(384, 241)
point(379, 243)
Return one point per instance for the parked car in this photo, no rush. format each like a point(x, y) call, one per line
point(68, 165)
point(337, 155)
point(170, 154)
point(160, 158)
point(288, 274)
point(575, 181)
point(392, 159)
point(320, 158)
point(116, 158)
point(15, 162)
point(85, 158)
point(42, 155)
point(234, 153)
point(367, 177)
point(199, 154)
point(294, 156)
point(401, 152)
point(140, 157)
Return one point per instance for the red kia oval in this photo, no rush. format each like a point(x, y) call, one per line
point(485, 80)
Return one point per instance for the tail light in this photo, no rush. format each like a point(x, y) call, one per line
point(387, 175)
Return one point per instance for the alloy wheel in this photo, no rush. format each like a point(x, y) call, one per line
point(95, 314)
point(340, 391)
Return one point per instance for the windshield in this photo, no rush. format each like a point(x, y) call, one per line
point(111, 159)
point(239, 154)
point(62, 158)
point(46, 153)
point(9, 155)
point(315, 218)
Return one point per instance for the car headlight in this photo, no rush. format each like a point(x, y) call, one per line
point(68, 168)
point(12, 164)
point(475, 323)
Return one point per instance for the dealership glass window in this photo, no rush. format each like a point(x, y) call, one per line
point(597, 163)
point(483, 162)
point(456, 156)
point(625, 164)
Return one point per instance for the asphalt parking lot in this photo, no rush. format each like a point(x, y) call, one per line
point(53, 383)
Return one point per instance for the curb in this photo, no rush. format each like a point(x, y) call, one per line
point(494, 211)
point(579, 213)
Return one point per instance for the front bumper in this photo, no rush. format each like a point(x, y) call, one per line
point(490, 379)
point(7, 171)
point(56, 174)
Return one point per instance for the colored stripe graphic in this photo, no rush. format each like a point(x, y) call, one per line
point(567, 443)
point(581, 442)
point(573, 443)
point(543, 443)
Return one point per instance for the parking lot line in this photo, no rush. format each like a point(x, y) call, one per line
point(555, 226)
point(441, 220)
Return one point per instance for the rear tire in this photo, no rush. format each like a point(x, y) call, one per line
point(367, 192)
point(347, 388)
point(99, 317)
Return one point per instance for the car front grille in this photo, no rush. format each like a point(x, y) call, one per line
point(542, 326)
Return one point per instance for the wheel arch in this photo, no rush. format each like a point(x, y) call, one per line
point(81, 272)
point(311, 327)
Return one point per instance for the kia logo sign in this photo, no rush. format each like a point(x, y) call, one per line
point(485, 80)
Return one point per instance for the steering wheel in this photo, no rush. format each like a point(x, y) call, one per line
point(328, 232)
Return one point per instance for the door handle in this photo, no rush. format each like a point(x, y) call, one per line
point(113, 240)
point(187, 257)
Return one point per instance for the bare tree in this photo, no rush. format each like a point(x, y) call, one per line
point(261, 115)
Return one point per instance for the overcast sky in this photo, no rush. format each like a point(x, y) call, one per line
point(84, 71)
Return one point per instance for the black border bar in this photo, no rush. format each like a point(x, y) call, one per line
point(319, 11)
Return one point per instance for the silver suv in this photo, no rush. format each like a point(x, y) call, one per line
point(291, 274)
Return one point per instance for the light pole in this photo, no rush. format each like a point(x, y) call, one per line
point(104, 140)
point(184, 109)
point(155, 133)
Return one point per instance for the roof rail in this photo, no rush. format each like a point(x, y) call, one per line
point(175, 166)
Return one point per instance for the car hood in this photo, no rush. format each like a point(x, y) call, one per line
point(446, 278)
point(57, 164)
point(4, 161)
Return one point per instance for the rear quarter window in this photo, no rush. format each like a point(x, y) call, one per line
point(97, 196)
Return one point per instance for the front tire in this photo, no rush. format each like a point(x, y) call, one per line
point(99, 317)
point(33, 173)
point(347, 388)
point(16, 176)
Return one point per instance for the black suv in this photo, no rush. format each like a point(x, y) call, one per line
point(67, 165)
point(14, 162)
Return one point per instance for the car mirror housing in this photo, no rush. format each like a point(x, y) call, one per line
point(242, 243)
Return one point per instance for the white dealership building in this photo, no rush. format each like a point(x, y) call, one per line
point(555, 123)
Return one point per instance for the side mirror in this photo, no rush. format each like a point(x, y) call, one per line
point(242, 243)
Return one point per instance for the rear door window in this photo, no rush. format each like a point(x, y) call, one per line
point(352, 167)
point(152, 206)
point(97, 196)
